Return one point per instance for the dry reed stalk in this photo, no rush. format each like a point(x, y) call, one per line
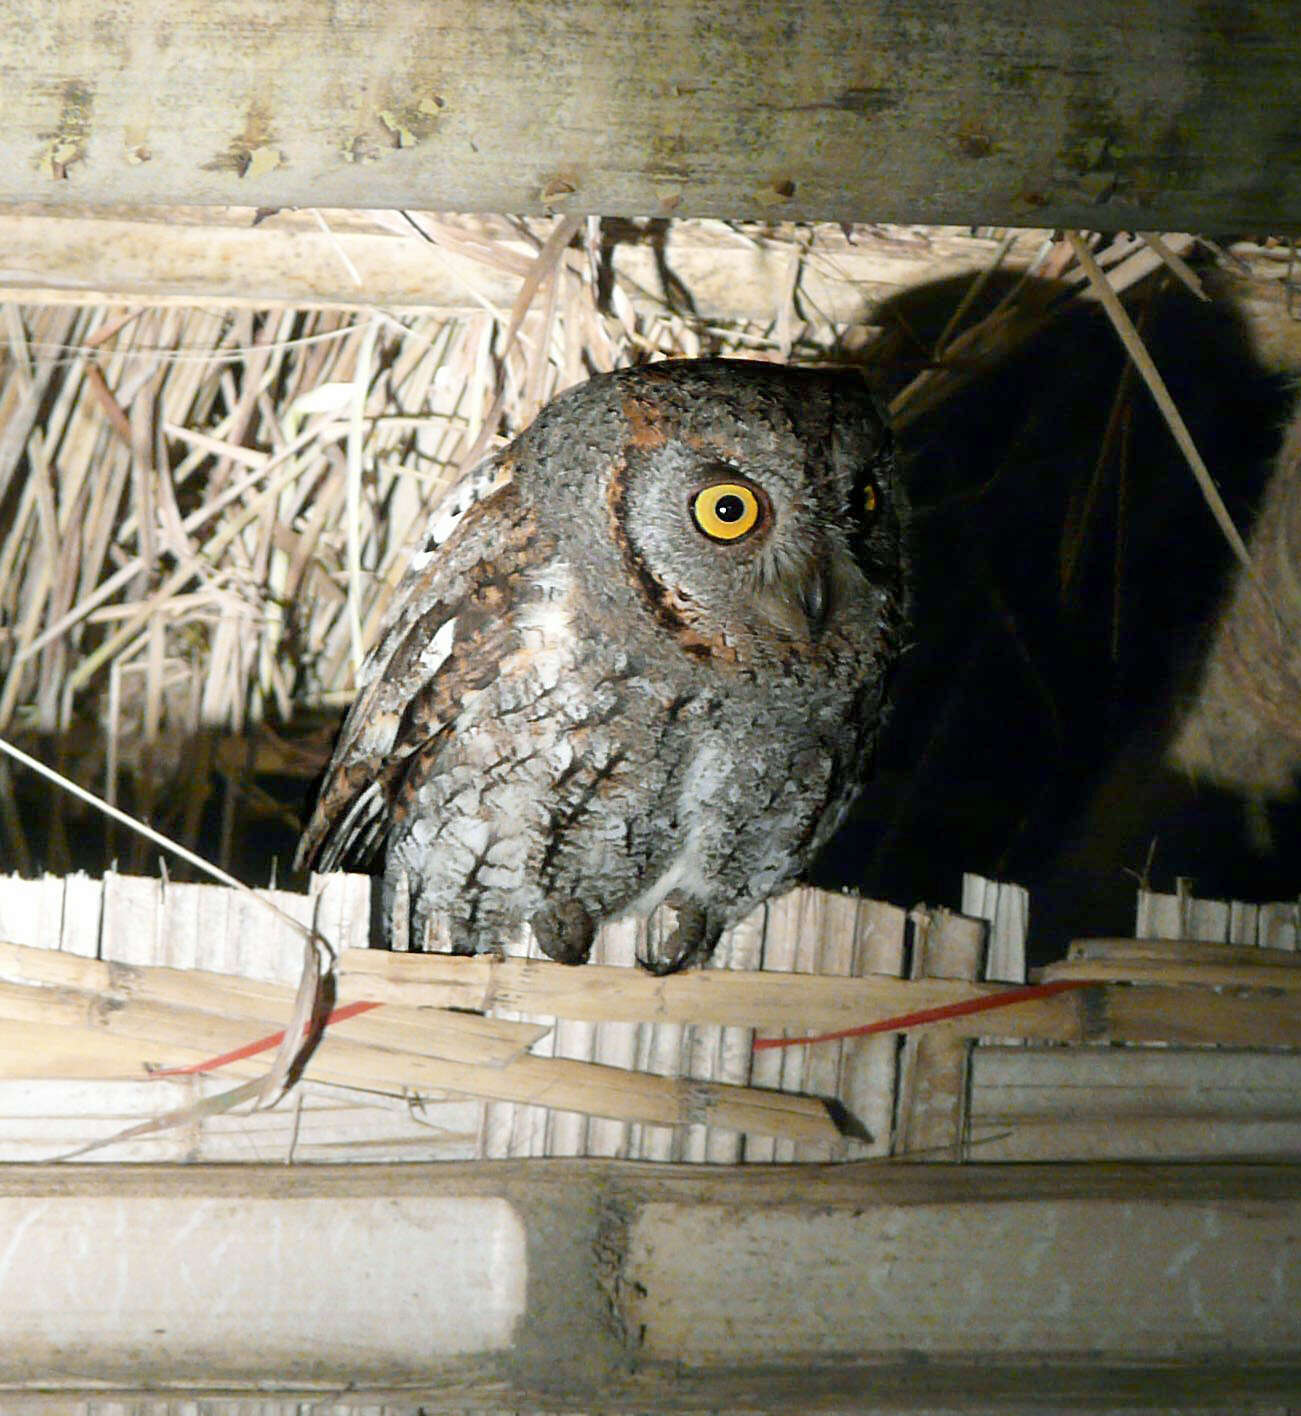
point(1137, 351)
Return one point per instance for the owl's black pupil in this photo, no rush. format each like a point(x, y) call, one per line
point(729, 507)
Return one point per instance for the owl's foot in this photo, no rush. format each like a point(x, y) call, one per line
point(691, 942)
point(564, 931)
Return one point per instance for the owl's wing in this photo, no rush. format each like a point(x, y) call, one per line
point(443, 638)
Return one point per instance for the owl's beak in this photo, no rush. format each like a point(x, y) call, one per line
point(798, 601)
point(814, 598)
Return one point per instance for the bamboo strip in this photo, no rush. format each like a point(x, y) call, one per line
point(1182, 951)
point(1196, 975)
point(135, 1007)
point(596, 992)
point(51, 1035)
point(773, 1002)
point(114, 996)
point(737, 998)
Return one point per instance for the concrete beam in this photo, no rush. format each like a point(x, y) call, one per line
point(599, 1284)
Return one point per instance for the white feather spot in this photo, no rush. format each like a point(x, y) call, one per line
point(550, 622)
point(438, 648)
point(479, 482)
point(445, 520)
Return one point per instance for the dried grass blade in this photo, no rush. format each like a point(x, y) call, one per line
point(1176, 263)
point(1137, 351)
point(973, 292)
point(356, 434)
point(181, 1116)
point(546, 263)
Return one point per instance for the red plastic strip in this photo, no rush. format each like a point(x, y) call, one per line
point(263, 1044)
point(983, 1004)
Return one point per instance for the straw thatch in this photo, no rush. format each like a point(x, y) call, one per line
point(204, 512)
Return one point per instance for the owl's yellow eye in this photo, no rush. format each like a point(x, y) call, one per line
point(726, 511)
point(869, 499)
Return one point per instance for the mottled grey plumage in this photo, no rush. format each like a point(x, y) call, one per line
point(584, 704)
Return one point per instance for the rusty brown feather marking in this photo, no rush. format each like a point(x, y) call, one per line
point(646, 426)
point(672, 609)
point(484, 633)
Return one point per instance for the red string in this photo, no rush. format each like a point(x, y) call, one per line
point(982, 1004)
point(264, 1044)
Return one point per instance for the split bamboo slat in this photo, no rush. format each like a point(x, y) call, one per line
point(1181, 1099)
point(933, 1088)
point(110, 985)
point(158, 1019)
point(1100, 1014)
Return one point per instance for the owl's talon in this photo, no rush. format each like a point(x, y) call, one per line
point(564, 931)
point(670, 962)
point(691, 942)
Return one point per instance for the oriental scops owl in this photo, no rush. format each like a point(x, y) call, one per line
point(639, 656)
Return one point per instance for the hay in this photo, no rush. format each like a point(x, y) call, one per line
point(205, 512)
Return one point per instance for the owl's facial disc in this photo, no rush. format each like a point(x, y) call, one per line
point(784, 583)
point(738, 555)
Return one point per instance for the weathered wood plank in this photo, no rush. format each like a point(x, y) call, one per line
point(1185, 951)
point(1172, 117)
point(706, 1285)
point(1200, 975)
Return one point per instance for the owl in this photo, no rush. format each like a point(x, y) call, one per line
point(640, 659)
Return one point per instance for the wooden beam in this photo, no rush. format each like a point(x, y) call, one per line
point(591, 1285)
point(1178, 116)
